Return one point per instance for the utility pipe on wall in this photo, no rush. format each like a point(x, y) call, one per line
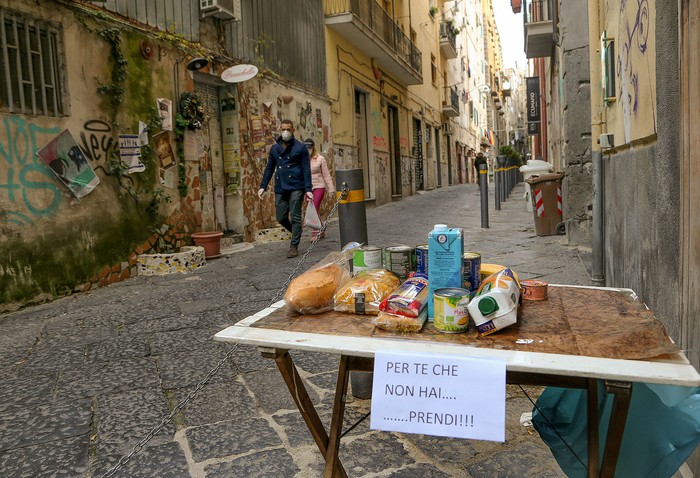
point(598, 232)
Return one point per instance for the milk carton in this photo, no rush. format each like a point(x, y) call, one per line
point(495, 305)
point(445, 249)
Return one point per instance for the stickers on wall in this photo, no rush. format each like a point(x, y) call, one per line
point(68, 163)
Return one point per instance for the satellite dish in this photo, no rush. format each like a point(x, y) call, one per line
point(239, 73)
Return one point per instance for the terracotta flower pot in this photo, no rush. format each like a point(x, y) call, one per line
point(210, 241)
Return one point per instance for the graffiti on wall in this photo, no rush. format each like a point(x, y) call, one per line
point(22, 176)
point(636, 66)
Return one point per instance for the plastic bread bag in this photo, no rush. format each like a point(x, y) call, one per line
point(400, 323)
point(312, 292)
point(409, 299)
point(365, 291)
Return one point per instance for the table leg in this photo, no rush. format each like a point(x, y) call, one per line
point(304, 404)
point(341, 391)
point(616, 428)
point(593, 435)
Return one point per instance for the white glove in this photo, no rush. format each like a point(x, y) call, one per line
point(310, 196)
point(261, 191)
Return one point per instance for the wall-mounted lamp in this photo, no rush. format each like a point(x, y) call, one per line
point(197, 64)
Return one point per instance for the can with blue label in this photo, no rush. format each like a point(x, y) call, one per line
point(422, 259)
point(472, 271)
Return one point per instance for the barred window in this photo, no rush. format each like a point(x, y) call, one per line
point(30, 66)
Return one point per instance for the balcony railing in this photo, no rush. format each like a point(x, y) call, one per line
point(448, 40)
point(450, 106)
point(539, 28)
point(371, 20)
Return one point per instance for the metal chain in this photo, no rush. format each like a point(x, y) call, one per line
point(137, 448)
point(180, 406)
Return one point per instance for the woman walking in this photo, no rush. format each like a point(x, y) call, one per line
point(321, 180)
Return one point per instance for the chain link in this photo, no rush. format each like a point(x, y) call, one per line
point(180, 406)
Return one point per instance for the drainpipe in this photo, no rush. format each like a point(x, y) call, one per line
point(598, 256)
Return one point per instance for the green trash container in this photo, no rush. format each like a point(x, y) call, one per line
point(546, 203)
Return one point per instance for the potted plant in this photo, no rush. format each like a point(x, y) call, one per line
point(433, 11)
point(210, 241)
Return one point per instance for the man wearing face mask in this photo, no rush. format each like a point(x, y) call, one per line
point(289, 161)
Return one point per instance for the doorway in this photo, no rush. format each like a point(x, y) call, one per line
point(418, 154)
point(438, 166)
point(394, 150)
point(361, 136)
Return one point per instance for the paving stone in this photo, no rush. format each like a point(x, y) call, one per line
point(421, 470)
point(271, 393)
point(231, 437)
point(166, 460)
point(28, 390)
point(188, 368)
point(61, 458)
point(315, 362)
point(124, 419)
point(373, 453)
point(248, 359)
point(46, 423)
point(178, 340)
point(101, 378)
point(120, 347)
point(50, 356)
point(217, 402)
point(149, 326)
point(530, 460)
point(263, 464)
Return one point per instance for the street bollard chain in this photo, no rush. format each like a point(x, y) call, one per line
point(180, 406)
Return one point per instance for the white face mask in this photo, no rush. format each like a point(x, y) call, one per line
point(286, 135)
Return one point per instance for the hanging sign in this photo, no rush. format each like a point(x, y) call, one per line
point(239, 73)
point(532, 88)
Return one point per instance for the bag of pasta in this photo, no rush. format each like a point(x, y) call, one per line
point(365, 291)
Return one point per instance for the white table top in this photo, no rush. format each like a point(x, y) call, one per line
point(673, 370)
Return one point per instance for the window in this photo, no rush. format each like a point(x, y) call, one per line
point(433, 69)
point(608, 59)
point(30, 65)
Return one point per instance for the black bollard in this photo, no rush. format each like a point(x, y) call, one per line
point(497, 180)
point(501, 191)
point(352, 222)
point(484, 183)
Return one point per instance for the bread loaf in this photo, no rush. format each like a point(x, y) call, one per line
point(312, 292)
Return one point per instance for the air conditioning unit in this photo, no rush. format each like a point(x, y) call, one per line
point(222, 9)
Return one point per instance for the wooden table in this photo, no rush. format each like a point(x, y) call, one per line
point(579, 335)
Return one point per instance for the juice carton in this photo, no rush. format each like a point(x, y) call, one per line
point(445, 249)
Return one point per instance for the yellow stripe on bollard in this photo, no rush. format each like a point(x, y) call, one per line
point(483, 171)
point(356, 195)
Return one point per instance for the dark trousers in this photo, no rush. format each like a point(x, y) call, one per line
point(288, 205)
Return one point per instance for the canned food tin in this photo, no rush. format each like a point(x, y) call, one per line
point(366, 257)
point(399, 260)
point(534, 289)
point(450, 309)
point(472, 271)
point(422, 258)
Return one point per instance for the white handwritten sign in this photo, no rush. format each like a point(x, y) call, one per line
point(442, 395)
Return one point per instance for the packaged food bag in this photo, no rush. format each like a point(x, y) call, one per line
point(409, 299)
point(400, 323)
point(312, 292)
point(363, 293)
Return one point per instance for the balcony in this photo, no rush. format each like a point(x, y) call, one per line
point(539, 28)
point(450, 106)
point(367, 26)
point(448, 40)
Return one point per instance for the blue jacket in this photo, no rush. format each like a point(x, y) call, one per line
point(291, 166)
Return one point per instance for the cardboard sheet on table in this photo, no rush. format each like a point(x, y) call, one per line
point(573, 321)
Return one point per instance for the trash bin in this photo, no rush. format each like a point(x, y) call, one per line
point(533, 166)
point(546, 203)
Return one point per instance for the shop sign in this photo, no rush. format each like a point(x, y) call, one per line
point(239, 73)
point(441, 395)
point(532, 88)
